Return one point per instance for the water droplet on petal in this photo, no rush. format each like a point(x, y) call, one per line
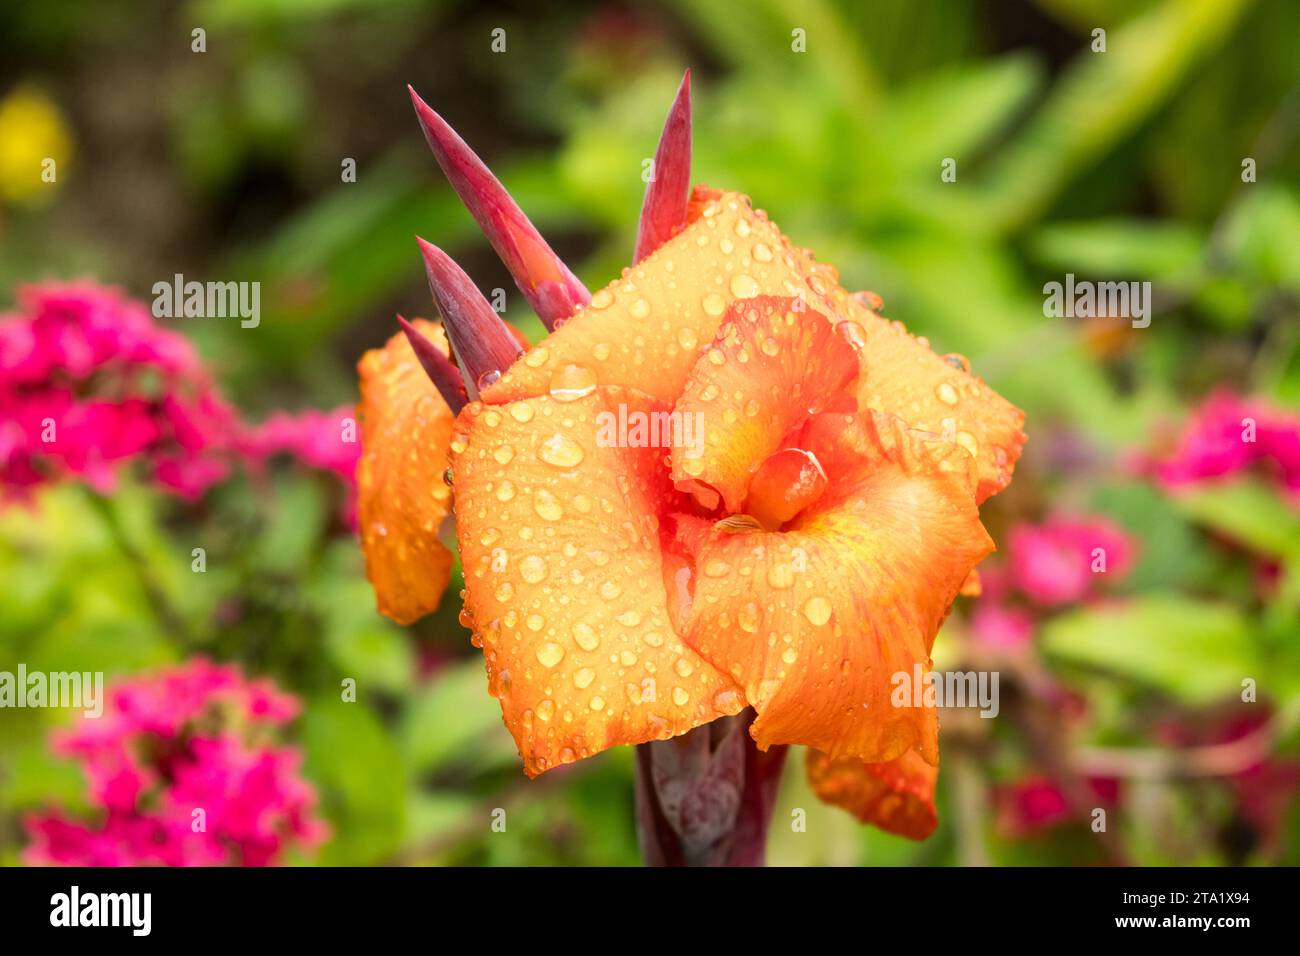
point(817, 610)
point(550, 654)
point(586, 637)
point(572, 382)
point(547, 508)
point(561, 452)
point(853, 333)
point(532, 568)
point(743, 286)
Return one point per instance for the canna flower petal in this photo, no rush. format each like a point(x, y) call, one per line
point(772, 365)
point(897, 796)
point(937, 394)
point(645, 330)
point(401, 497)
point(565, 578)
point(813, 621)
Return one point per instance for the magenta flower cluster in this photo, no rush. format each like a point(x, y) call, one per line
point(182, 771)
point(89, 381)
point(1231, 434)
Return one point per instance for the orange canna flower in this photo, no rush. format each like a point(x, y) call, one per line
point(722, 482)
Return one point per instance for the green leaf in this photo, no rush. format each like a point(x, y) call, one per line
point(1262, 236)
point(1099, 99)
point(453, 721)
point(1155, 251)
point(953, 113)
point(1246, 510)
point(1197, 651)
point(361, 778)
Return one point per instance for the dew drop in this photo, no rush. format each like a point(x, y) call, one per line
point(532, 568)
point(561, 452)
point(817, 610)
point(714, 304)
point(716, 568)
point(572, 382)
point(743, 286)
point(550, 654)
point(547, 508)
point(586, 637)
point(852, 333)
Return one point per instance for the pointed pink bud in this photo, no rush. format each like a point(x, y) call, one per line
point(441, 370)
point(663, 211)
point(480, 340)
point(550, 288)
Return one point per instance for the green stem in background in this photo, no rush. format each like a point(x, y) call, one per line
point(166, 614)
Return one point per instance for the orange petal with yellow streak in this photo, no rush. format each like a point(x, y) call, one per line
point(897, 796)
point(401, 497)
point(937, 394)
point(814, 621)
point(564, 574)
point(773, 363)
point(646, 329)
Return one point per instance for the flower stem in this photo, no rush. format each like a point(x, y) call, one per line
point(706, 798)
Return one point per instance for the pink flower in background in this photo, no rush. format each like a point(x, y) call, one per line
point(1064, 560)
point(323, 440)
point(1230, 434)
point(1001, 626)
point(168, 744)
point(75, 329)
point(89, 382)
point(1036, 803)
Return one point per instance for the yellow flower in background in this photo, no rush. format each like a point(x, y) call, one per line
point(35, 146)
